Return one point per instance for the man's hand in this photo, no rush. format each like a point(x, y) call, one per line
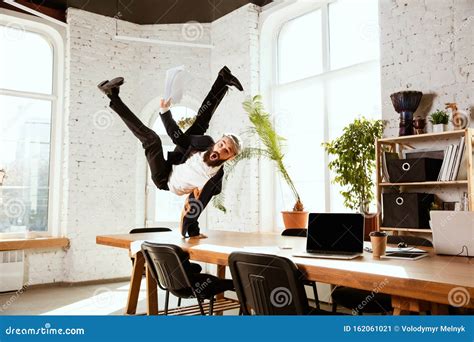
point(165, 105)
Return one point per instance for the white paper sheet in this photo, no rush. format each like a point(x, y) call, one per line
point(176, 79)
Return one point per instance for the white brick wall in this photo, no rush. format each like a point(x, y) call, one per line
point(102, 181)
point(235, 37)
point(427, 45)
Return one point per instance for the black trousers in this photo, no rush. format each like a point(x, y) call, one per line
point(159, 167)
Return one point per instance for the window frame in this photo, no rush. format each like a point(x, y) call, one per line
point(327, 72)
point(55, 40)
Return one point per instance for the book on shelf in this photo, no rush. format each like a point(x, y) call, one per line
point(385, 157)
point(452, 157)
point(453, 167)
point(442, 171)
point(459, 160)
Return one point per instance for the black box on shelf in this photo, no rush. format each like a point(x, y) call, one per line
point(406, 210)
point(413, 169)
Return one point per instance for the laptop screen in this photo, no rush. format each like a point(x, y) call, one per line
point(338, 233)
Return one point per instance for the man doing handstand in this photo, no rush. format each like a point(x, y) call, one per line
point(194, 168)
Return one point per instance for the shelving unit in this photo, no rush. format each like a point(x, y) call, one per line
point(399, 144)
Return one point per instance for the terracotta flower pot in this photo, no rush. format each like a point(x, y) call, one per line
point(295, 219)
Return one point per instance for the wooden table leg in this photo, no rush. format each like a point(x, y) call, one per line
point(220, 274)
point(439, 309)
point(402, 305)
point(151, 294)
point(135, 282)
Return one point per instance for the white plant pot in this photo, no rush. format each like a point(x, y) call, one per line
point(438, 128)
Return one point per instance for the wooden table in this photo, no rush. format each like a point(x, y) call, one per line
point(430, 283)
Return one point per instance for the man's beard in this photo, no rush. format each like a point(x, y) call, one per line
point(209, 162)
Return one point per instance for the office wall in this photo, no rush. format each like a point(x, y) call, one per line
point(427, 45)
point(236, 41)
point(104, 166)
point(103, 169)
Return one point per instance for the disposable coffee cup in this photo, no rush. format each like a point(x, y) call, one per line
point(379, 243)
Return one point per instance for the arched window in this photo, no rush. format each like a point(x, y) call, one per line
point(164, 207)
point(327, 75)
point(29, 62)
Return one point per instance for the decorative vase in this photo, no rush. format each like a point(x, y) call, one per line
point(438, 128)
point(419, 125)
point(370, 225)
point(295, 219)
point(406, 103)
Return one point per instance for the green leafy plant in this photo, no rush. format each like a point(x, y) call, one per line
point(272, 148)
point(439, 117)
point(354, 162)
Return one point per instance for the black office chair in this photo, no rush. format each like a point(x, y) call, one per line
point(374, 303)
point(196, 268)
point(302, 232)
point(269, 285)
point(170, 267)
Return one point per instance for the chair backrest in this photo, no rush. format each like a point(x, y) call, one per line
point(268, 284)
point(168, 264)
point(301, 232)
point(409, 240)
point(149, 230)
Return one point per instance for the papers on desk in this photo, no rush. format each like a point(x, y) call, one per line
point(408, 250)
point(388, 250)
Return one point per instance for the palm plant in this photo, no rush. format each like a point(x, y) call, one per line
point(272, 148)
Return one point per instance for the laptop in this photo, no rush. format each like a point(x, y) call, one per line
point(453, 232)
point(334, 236)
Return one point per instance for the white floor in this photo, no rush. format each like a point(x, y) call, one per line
point(102, 299)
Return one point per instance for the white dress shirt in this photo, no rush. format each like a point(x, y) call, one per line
point(192, 174)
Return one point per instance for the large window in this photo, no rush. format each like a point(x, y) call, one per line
point(165, 207)
point(27, 100)
point(327, 75)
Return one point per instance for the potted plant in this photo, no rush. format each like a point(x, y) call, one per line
point(354, 165)
point(439, 119)
point(272, 149)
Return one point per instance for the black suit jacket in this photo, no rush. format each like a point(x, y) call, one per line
point(186, 145)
